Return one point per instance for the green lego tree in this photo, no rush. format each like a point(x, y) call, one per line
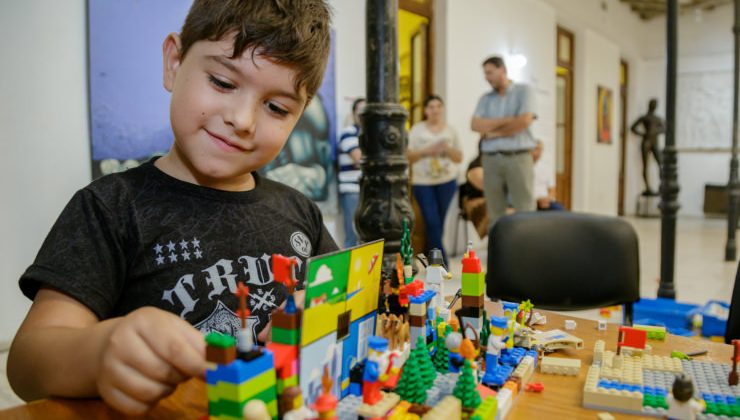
point(407, 253)
point(408, 386)
point(442, 355)
point(465, 388)
point(428, 372)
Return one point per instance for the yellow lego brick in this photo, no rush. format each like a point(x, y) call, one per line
point(473, 284)
point(449, 408)
point(401, 412)
point(284, 383)
point(560, 366)
point(487, 409)
point(250, 388)
point(628, 372)
point(381, 408)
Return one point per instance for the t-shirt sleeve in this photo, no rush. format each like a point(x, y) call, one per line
point(480, 108)
point(82, 256)
point(527, 104)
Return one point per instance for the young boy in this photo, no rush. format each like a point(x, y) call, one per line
point(139, 262)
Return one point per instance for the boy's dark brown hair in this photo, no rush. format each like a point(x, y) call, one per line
point(291, 32)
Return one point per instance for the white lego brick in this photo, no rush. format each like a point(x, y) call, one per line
point(601, 325)
point(504, 400)
point(570, 325)
point(560, 366)
point(417, 309)
point(599, 351)
point(449, 408)
point(662, 363)
point(524, 370)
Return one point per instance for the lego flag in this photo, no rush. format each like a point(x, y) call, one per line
point(282, 269)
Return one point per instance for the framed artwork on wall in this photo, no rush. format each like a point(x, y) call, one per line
point(129, 107)
point(604, 113)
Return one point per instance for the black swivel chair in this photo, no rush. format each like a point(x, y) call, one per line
point(733, 320)
point(564, 261)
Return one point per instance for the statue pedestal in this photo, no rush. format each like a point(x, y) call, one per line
point(647, 206)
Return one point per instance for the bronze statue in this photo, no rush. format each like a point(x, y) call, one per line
point(652, 127)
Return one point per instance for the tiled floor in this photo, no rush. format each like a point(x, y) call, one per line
point(700, 271)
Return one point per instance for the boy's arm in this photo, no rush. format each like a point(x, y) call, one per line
point(62, 349)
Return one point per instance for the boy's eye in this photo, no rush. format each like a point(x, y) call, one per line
point(276, 109)
point(220, 83)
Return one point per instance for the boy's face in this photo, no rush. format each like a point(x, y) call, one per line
point(229, 116)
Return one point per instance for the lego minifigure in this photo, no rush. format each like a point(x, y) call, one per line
point(455, 359)
point(436, 274)
point(681, 405)
point(326, 403)
point(733, 378)
point(496, 342)
point(375, 369)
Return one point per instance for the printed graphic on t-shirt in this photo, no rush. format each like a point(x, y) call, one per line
point(172, 252)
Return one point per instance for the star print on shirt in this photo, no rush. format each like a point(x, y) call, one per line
point(173, 257)
point(186, 256)
point(183, 244)
point(198, 254)
point(196, 242)
point(171, 246)
point(160, 260)
point(158, 249)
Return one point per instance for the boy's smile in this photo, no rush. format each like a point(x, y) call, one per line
point(229, 116)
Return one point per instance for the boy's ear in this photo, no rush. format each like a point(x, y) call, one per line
point(172, 59)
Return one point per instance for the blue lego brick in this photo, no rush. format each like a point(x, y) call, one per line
point(424, 297)
point(609, 384)
point(512, 356)
point(534, 355)
point(651, 390)
point(240, 371)
point(499, 377)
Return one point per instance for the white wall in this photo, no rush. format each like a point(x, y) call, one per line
point(44, 143)
point(595, 165)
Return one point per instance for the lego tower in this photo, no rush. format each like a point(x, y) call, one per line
point(473, 288)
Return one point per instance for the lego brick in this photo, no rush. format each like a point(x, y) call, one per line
point(487, 409)
point(625, 369)
point(471, 263)
point(469, 312)
point(417, 320)
point(504, 400)
point(239, 371)
point(220, 355)
point(387, 401)
point(448, 408)
point(474, 301)
point(417, 309)
point(604, 416)
point(524, 369)
point(511, 385)
point(347, 407)
point(512, 356)
point(601, 325)
point(424, 297)
point(286, 321)
point(283, 336)
point(653, 332)
point(570, 325)
point(223, 409)
point(283, 383)
point(560, 366)
point(599, 351)
point(473, 284)
point(220, 340)
point(245, 390)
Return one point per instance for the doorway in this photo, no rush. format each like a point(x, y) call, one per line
point(564, 116)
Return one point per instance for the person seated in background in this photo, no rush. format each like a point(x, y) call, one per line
point(471, 200)
point(544, 182)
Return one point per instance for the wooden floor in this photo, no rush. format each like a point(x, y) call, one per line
point(700, 272)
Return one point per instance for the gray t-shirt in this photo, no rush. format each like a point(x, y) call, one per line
point(517, 100)
point(142, 238)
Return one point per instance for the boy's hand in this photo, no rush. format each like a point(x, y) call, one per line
point(299, 296)
point(145, 356)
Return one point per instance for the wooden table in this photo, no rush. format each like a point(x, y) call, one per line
point(560, 399)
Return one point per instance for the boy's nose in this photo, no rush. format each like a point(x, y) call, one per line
point(243, 117)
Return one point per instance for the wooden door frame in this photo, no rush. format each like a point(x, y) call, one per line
point(623, 92)
point(425, 9)
point(568, 67)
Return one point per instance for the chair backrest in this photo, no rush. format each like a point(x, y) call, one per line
point(563, 260)
point(733, 320)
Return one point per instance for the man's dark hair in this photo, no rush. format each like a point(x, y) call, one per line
point(496, 61)
point(683, 387)
point(294, 33)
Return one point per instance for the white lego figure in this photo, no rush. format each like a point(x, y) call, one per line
point(681, 404)
point(436, 274)
point(496, 342)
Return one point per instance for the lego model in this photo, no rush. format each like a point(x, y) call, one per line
point(496, 343)
point(631, 337)
point(465, 388)
point(473, 288)
point(732, 379)
point(376, 370)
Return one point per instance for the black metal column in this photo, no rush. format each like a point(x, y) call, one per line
point(733, 185)
point(669, 171)
point(384, 190)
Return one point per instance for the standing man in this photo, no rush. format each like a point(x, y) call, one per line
point(503, 117)
point(349, 172)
